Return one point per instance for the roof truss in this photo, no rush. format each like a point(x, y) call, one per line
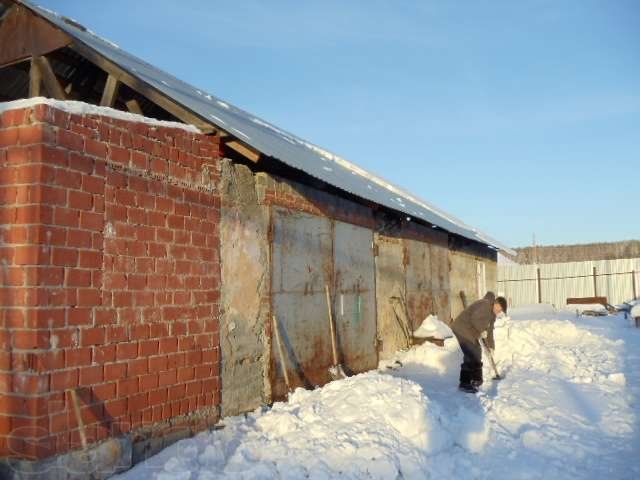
point(26, 36)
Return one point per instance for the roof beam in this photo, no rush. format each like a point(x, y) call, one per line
point(244, 150)
point(110, 91)
point(141, 87)
point(134, 107)
point(51, 82)
point(35, 79)
point(24, 34)
point(162, 100)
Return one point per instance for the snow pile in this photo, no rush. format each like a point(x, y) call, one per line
point(433, 327)
point(368, 426)
point(587, 307)
point(635, 311)
point(568, 406)
point(81, 108)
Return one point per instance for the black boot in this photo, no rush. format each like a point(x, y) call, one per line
point(476, 376)
point(466, 379)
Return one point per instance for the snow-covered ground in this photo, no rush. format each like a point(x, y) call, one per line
point(568, 407)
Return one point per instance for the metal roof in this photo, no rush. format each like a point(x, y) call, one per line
point(269, 139)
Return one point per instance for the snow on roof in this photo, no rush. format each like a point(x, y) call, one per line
point(81, 108)
point(269, 139)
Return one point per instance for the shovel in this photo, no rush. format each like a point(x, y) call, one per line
point(283, 359)
point(496, 375)
point(336, 370)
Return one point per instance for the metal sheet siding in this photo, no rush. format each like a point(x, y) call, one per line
point(572, 279)
point(302, 264)
point(269, 139)
point(354, 302)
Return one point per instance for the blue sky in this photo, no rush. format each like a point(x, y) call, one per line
point(517, 117)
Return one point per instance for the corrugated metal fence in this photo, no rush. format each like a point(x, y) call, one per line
point(618, 280)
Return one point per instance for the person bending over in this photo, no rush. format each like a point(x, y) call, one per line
point(474, 323)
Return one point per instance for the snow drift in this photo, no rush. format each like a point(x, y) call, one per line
point(568, 408)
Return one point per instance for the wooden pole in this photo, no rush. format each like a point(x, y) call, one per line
point(76, 409)
point(595, 282)
point(35, 80)
point(539, 286)
point(110, 92)
point(634, 285)
point(334, 348)
point(50, 80)
point(283, 361)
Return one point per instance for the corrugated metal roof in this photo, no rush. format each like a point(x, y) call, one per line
point(269, 139)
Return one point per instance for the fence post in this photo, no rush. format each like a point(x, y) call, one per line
point(539, 287)
point(633, 284)
point(595, 283)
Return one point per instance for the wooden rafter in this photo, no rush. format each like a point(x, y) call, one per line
point(110, 92)
point(161, 100)
point(35, 79)
point(244, 150)
point(139, 86)
point(134, 107)
point(24, 34)
point(51, 82)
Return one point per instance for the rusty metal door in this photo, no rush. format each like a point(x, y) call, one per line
point(354, 297)
point(440, 273)
point(419, 282)
point(390, 283)
point(302, 263)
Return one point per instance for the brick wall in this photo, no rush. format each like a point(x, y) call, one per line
point(285, 193)
point(109, 243)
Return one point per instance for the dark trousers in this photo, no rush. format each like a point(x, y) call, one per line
point(471, 368)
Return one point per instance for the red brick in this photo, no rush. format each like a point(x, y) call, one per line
point(92, 336)
point(80, 200)
point(79, 316)
point(118, 154)
point(104, 354)
point(116, 333)
point(30, 339)
point(49, 195)
point(168, 345)
point(78, 278)
point(127, 387)
point(66, 217)
point(89, 297)
point(9, 137)
point(136, 403)
point(34, 214)
point(137, 282)
point(126, 351)
point(28, 383)
point(81, 163)
point(167, 378)
point(91, 221)
point(70, 140)
point(157, 397)
point(115, 371)
point(91, 375)
point(64, 380)
point(148, 382)
point(90, 259)
point(31, 255)
point(79, 239)
point(137, 367)
point(77, 357)
point(116, 408)
point(104, 392)
point(65, 257)
point(96, 148)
